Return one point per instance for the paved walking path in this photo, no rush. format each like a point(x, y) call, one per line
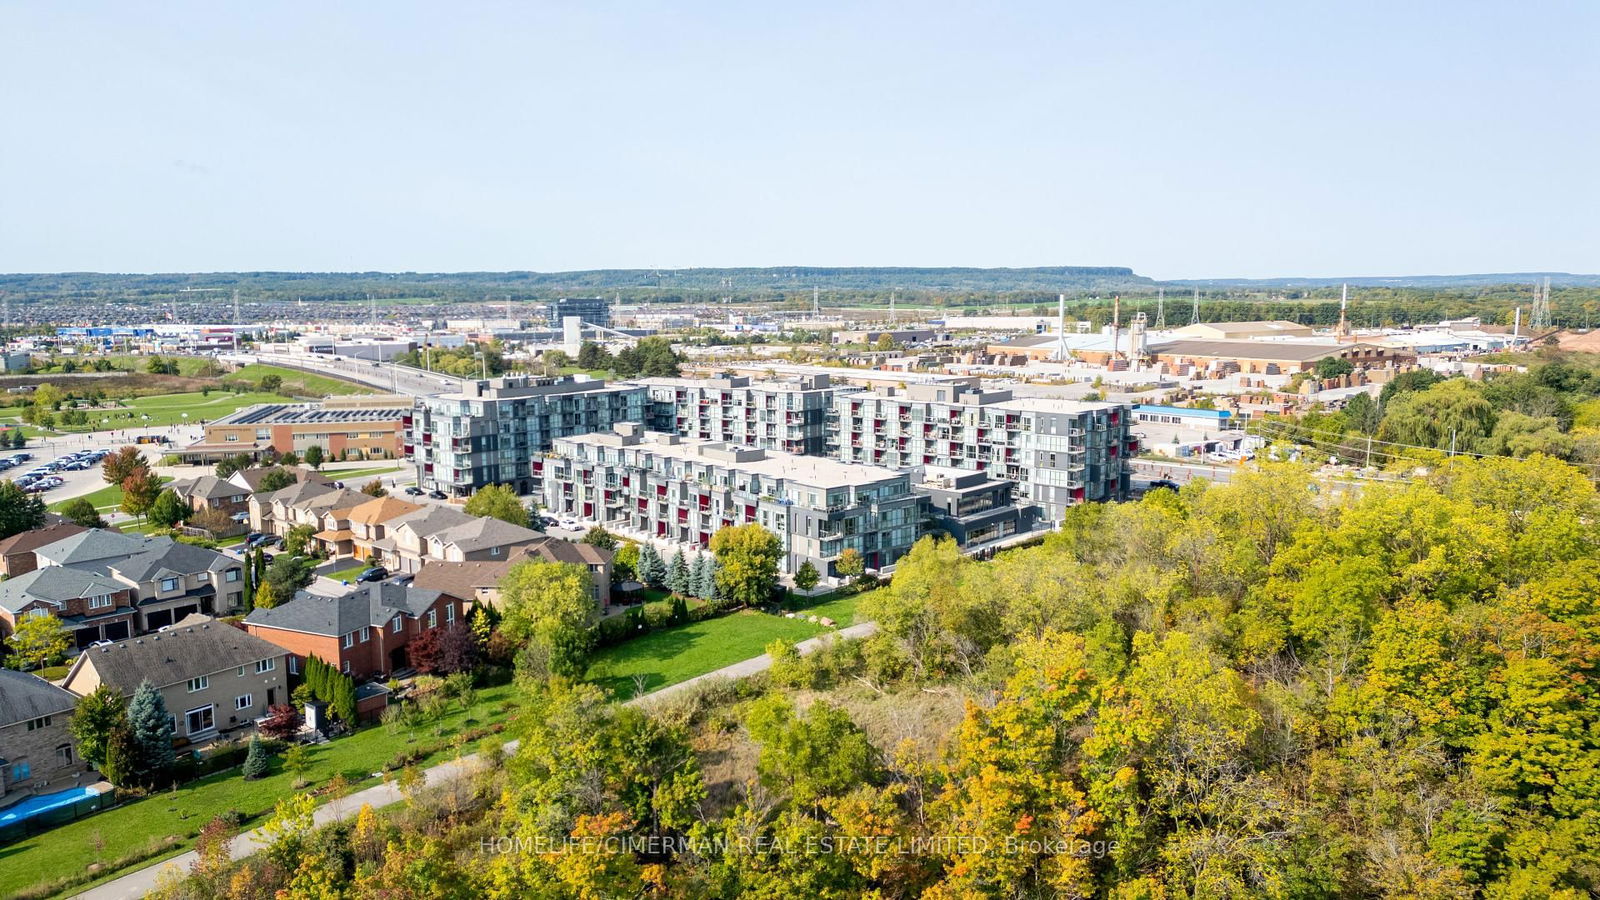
point(137, 884)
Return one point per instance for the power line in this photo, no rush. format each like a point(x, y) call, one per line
point(1345, 438)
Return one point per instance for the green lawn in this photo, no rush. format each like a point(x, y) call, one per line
point(841, 609)
point(106, 499)
point(72, 848)
point(348, 574)
point(358, 473)
point(170, 409)
point(672, 655)
point(298, 383)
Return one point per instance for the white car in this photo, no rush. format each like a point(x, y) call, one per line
point(569, 523)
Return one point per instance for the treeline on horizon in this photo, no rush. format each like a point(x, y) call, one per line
point(1090, 292)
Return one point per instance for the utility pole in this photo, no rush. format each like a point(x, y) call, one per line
point(236, 320)
point(816, 302)
point(1452, 442)
point(1194, 318)
point(1161, 308)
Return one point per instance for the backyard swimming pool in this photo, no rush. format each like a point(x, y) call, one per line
point(69, 804)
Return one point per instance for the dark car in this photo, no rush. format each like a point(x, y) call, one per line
point(376, 573)
point(414, 491)
point(1167, 483)
point(437, 495)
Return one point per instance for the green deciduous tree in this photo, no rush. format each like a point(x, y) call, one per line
point(747, 563)
point(167, 510)
point(36, 640)
point(19, 510)
point(498, 501)
point(80, 511)
point(98, 715)
point(550, 609)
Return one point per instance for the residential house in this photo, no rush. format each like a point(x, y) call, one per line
point(213, 677)
point(483, 538)
point(304, 504)
point(354, 530)
point(480, 580)
point(16, 552)
point(91, 606)
point(269, 512)
point(404, 547)
point(363, 633)
point(250, 479)
point(36, 751)
point(211, 492)
point(93, 550)
point(172, 580)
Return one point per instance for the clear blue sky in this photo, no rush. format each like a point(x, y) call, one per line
point(1183, 139)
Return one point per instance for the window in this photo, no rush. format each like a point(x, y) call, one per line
point(265, 665)
point(202, 719)
point(202, 577)
point(100, 602)
point(169, 584)
point(199, 684)
point(64, 754)
point(21, 771)
point(41, 722)
point(395, 625)
point(294, 665)
point(230, 436)
point(349, 640)
point(433, 618)
point(346, 667)
point(231, 575)
point(244, 702)
point(366, 634)
point(240, 673)
point(449, 613)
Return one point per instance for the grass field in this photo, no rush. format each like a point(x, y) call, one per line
point(106, 499)
point(348, 574)
point(72, 848)
point(672, 655)
point(170, 409)
point(297, 383)
point(358, 473)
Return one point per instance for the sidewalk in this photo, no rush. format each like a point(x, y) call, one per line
point(141, 882)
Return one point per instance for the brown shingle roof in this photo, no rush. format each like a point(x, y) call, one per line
point(28, 541)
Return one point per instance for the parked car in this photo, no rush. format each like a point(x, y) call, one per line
point(1167, 483)
point(376, 573)
point(22, 457)
point(437, 494)
point(414, 491)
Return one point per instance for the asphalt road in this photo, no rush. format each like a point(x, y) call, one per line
point(385, 377)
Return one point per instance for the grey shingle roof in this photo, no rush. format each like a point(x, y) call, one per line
point(484, 532)
point(370, 605)
point(430, 519)
point(174, 656)
point(56, 584)
point(94, 545)
point(209, 487)
point(24, 697)
point(295, 493)
point(184, 559)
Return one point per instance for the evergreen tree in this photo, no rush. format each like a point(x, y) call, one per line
point(150, 725)
point(121, 756)
point(806, 577)
point(678, 575)
point(705, 578)
point(344, 699)
point(256, 760)
point(651, 569)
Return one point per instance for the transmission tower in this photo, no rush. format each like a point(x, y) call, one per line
point(1541, 308)
point(1161, 308)
point(1194, 318)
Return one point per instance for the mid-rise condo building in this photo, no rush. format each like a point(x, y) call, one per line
point(493, 430)
point(1061, 452)
point(686, 489)
point(790, 415)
